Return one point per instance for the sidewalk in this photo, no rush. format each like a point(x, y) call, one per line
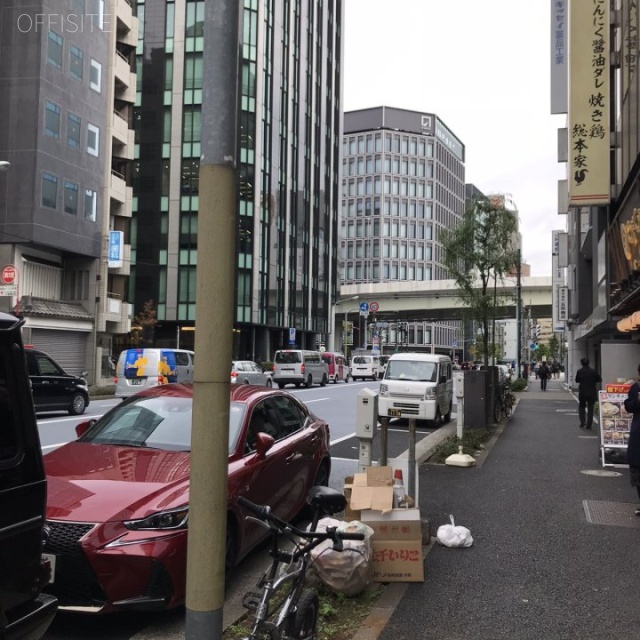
point(555, 547)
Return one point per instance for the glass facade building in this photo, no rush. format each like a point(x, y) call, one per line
point(403, 181)
point(289, 136)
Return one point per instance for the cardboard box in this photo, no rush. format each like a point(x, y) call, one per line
point(397, 524)
point(397, 540)
point(397, 561)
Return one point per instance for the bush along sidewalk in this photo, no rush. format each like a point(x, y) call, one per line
point(473, 442)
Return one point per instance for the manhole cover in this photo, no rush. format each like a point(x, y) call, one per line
point(618, 514)
point(601, 472)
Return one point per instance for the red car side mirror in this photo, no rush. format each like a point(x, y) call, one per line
point(264, 442)
point(83, 427)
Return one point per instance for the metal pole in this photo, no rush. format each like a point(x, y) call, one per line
point(411, 487)
point(214, 322)
point(518, 314)
point(384, 433)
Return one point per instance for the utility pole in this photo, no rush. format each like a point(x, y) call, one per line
point(518, 314)
point(214, 324)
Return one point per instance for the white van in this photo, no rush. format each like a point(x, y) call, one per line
point(365, 366)
point(140, 369)
point(296, 366)
point(417, 385)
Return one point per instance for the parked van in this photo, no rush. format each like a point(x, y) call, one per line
point(25, 613)
point(337, 366)
point(365, 366)
point(417, 385)
point(295, 366)
point(140, 369)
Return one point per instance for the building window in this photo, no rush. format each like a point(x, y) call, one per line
point(76, 63)
point(49, 190)
point(73, 130)
point(90, 205)
point(193, 71)
point(70, 197)
point(54, 50)
point(93, 140)
point(95, 76)
point(52, 119)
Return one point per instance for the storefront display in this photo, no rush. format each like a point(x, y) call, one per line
point(615, 422)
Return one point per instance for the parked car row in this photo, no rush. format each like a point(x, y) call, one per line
point(118, 500)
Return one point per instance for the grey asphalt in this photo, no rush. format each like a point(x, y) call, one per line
point(538, 567)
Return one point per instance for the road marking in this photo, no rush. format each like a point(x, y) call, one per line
point(316, 400)
point(53, 446)
point(339, 440)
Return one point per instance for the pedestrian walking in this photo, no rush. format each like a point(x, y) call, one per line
point(543, 374)
point(632, 405)
point(587, 380)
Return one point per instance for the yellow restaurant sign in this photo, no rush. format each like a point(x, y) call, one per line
point(589, 102)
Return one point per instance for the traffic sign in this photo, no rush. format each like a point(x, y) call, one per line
point(364, 307)
point(8, 274)
point(532, 345)
point(454, 344)
point(373, 307)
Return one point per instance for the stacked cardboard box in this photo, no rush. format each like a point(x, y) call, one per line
point(397, 540)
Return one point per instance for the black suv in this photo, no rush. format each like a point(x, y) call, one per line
point(53, 388)
point(25, 613)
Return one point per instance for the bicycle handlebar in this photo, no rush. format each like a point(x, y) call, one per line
point(263, 512)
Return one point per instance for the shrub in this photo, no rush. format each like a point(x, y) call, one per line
point(519, 384)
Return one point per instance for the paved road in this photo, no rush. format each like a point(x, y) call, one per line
point(541, 567)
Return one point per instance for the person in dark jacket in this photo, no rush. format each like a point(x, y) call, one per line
point(632, 405)
point(543, 373)
point(588, 380)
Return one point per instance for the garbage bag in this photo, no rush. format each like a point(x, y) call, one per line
point(451, 535)
point(345, 571)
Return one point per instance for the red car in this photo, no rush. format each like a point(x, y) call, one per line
point(118, 497)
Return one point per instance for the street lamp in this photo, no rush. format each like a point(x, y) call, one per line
point(4, 165)
point(332, 333)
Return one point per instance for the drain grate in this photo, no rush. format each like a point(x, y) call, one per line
point(617, 514)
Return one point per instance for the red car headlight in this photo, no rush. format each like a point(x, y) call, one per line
point(161, 521)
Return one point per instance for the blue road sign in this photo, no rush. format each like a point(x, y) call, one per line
point(454, 344)
point(364, 307)
point(532, 345)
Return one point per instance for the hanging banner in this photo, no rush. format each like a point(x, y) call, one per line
point(559, 71)
point(589, 102)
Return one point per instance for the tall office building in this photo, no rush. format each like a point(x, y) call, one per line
point(66, 88)
point(289, 117)
point(403, 181)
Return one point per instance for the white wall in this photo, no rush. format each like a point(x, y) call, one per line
point(619, 360)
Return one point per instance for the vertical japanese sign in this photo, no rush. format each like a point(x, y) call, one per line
point(629, 44)
point(116, 247)
point(559, 55)
point(559, 297)
point(589, 102)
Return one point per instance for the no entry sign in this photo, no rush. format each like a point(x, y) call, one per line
point(8, 274)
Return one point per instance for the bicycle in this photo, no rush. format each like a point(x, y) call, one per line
point(503, 403)
point(297, 615)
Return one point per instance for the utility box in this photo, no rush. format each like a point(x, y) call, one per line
point(477, 398)
point(366, 414)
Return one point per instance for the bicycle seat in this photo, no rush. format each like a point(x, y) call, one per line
point(326, 499)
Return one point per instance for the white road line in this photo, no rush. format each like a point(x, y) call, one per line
point(316, 400)
point(53, 446)
point(337, 441)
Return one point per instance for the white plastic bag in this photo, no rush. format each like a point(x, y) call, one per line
point(451, 536)
point(345, 571)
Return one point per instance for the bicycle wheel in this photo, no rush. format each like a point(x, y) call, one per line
point(304, 626)
point(497, 409)
point(508, 406)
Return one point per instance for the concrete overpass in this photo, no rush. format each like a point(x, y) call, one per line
point(438, 300)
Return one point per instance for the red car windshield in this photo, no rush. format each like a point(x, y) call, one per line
point(158, 422)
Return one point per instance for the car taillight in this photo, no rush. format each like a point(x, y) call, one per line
point(234, 374)
point(301, 368)
point(115, 381)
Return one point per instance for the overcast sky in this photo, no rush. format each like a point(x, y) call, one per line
point(483, 69)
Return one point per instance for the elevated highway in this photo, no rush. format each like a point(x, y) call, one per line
point(438, 300)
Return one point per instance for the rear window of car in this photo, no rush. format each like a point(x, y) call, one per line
point(362, 360)
point(288, 357)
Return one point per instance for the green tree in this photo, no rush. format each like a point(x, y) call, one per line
point(144, 324)
point(554, 346)
point(478, 253)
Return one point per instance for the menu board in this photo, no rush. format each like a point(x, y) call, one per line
point(615, 422)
